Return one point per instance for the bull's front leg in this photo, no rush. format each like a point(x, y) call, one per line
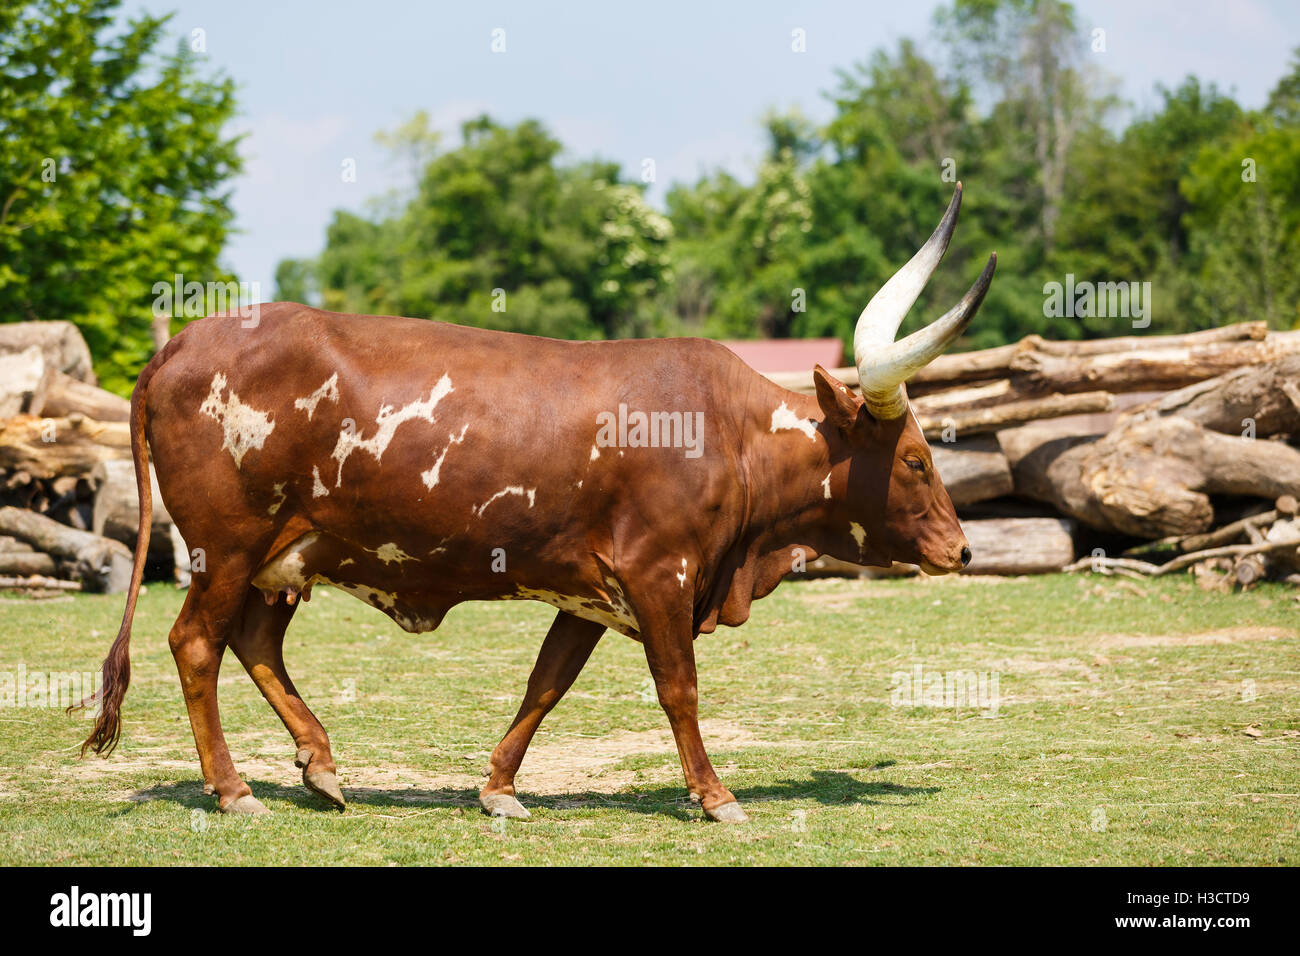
point(668, 635)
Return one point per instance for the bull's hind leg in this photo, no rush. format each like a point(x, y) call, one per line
point(568, 644)
point(198, 641)
point(259, 644)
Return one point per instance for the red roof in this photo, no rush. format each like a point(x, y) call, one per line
point(788, 355)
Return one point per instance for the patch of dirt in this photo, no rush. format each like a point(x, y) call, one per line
point(552, 766)
point(1230, 635)
point(563, 764)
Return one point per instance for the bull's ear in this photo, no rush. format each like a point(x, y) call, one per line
point(842, 407)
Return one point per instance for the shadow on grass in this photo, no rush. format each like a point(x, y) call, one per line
point(827, 787)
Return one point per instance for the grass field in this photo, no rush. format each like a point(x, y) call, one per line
point(1134, 724)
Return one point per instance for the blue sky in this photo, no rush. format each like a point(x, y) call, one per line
point(682, 83)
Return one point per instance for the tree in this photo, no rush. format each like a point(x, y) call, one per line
point(500, 234)
point(1028, 53)
point(113, 173)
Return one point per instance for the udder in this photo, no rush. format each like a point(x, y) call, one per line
point(316, 558)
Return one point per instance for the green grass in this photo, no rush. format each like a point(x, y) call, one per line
point(1119, 737)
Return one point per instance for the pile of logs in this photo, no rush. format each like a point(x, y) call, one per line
point(1107, 455)
point(68, 505)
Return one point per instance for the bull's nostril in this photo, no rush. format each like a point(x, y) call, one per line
point(965, 557)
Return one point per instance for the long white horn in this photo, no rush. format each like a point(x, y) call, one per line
point(879, 321)
point(883, 364)
point(882, 379)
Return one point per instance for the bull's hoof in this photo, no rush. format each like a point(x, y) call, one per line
point(245, 804)
point(727, 813)
point(325, 784)
point(321, 782)
point(502, 805)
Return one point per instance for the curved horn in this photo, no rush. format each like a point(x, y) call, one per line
point(883, 376)
point(883, 364)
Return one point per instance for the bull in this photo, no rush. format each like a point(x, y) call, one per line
point(416, 465)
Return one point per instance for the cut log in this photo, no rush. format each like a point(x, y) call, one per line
point(99, 563)
point(984, 420)
point(1210, 352)
point(39, 583)
point(1149, 478)
point(23, 381)
point(65, 395)
point(1019, 545)
point(31, 562)
point(963, 367)
point(1245, 398)
point(972, 469)
point(49, 447)
point(1036, 371)
point(117, 508)
point(975, 395)
point(60, 342)
point(11, 545)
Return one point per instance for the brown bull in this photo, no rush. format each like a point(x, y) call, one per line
point(652, 487)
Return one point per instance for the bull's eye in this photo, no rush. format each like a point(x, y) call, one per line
point(914, 463)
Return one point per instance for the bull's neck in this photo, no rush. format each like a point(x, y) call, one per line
point(788, 459)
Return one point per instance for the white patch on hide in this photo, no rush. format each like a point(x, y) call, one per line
point(430, 477)
point(279, 494)
point(243, 426)
point(387, 421)
point(329, 390)
point(318, 489)
point(595, 453)
point(681, 578)
point(826, 485)
point(784, 418)
point(388, 553)
point(619, 617)
point(512, 490)
point(859, 535)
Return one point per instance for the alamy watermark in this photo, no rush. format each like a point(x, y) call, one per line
point(977, 690)
point(194, 300)
point(634, 429)
point(59, 689)
point(1087, 300)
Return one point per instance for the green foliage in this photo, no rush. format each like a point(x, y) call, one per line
point(499, 233)
point(113, 170)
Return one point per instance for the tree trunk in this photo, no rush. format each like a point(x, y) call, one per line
point(965, 367)
point(1019, 545)
point(1157, 369)
point(24, 563)
point(47, 448)
point(66, 395)
point(1230, 403)
point(1150, 478)
point(98, 563)
point(982, 420)
point(60, 343)
point(972, 469)
point(117, 508)
point(23, 381)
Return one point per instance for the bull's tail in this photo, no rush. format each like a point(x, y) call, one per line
point(116, 673)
